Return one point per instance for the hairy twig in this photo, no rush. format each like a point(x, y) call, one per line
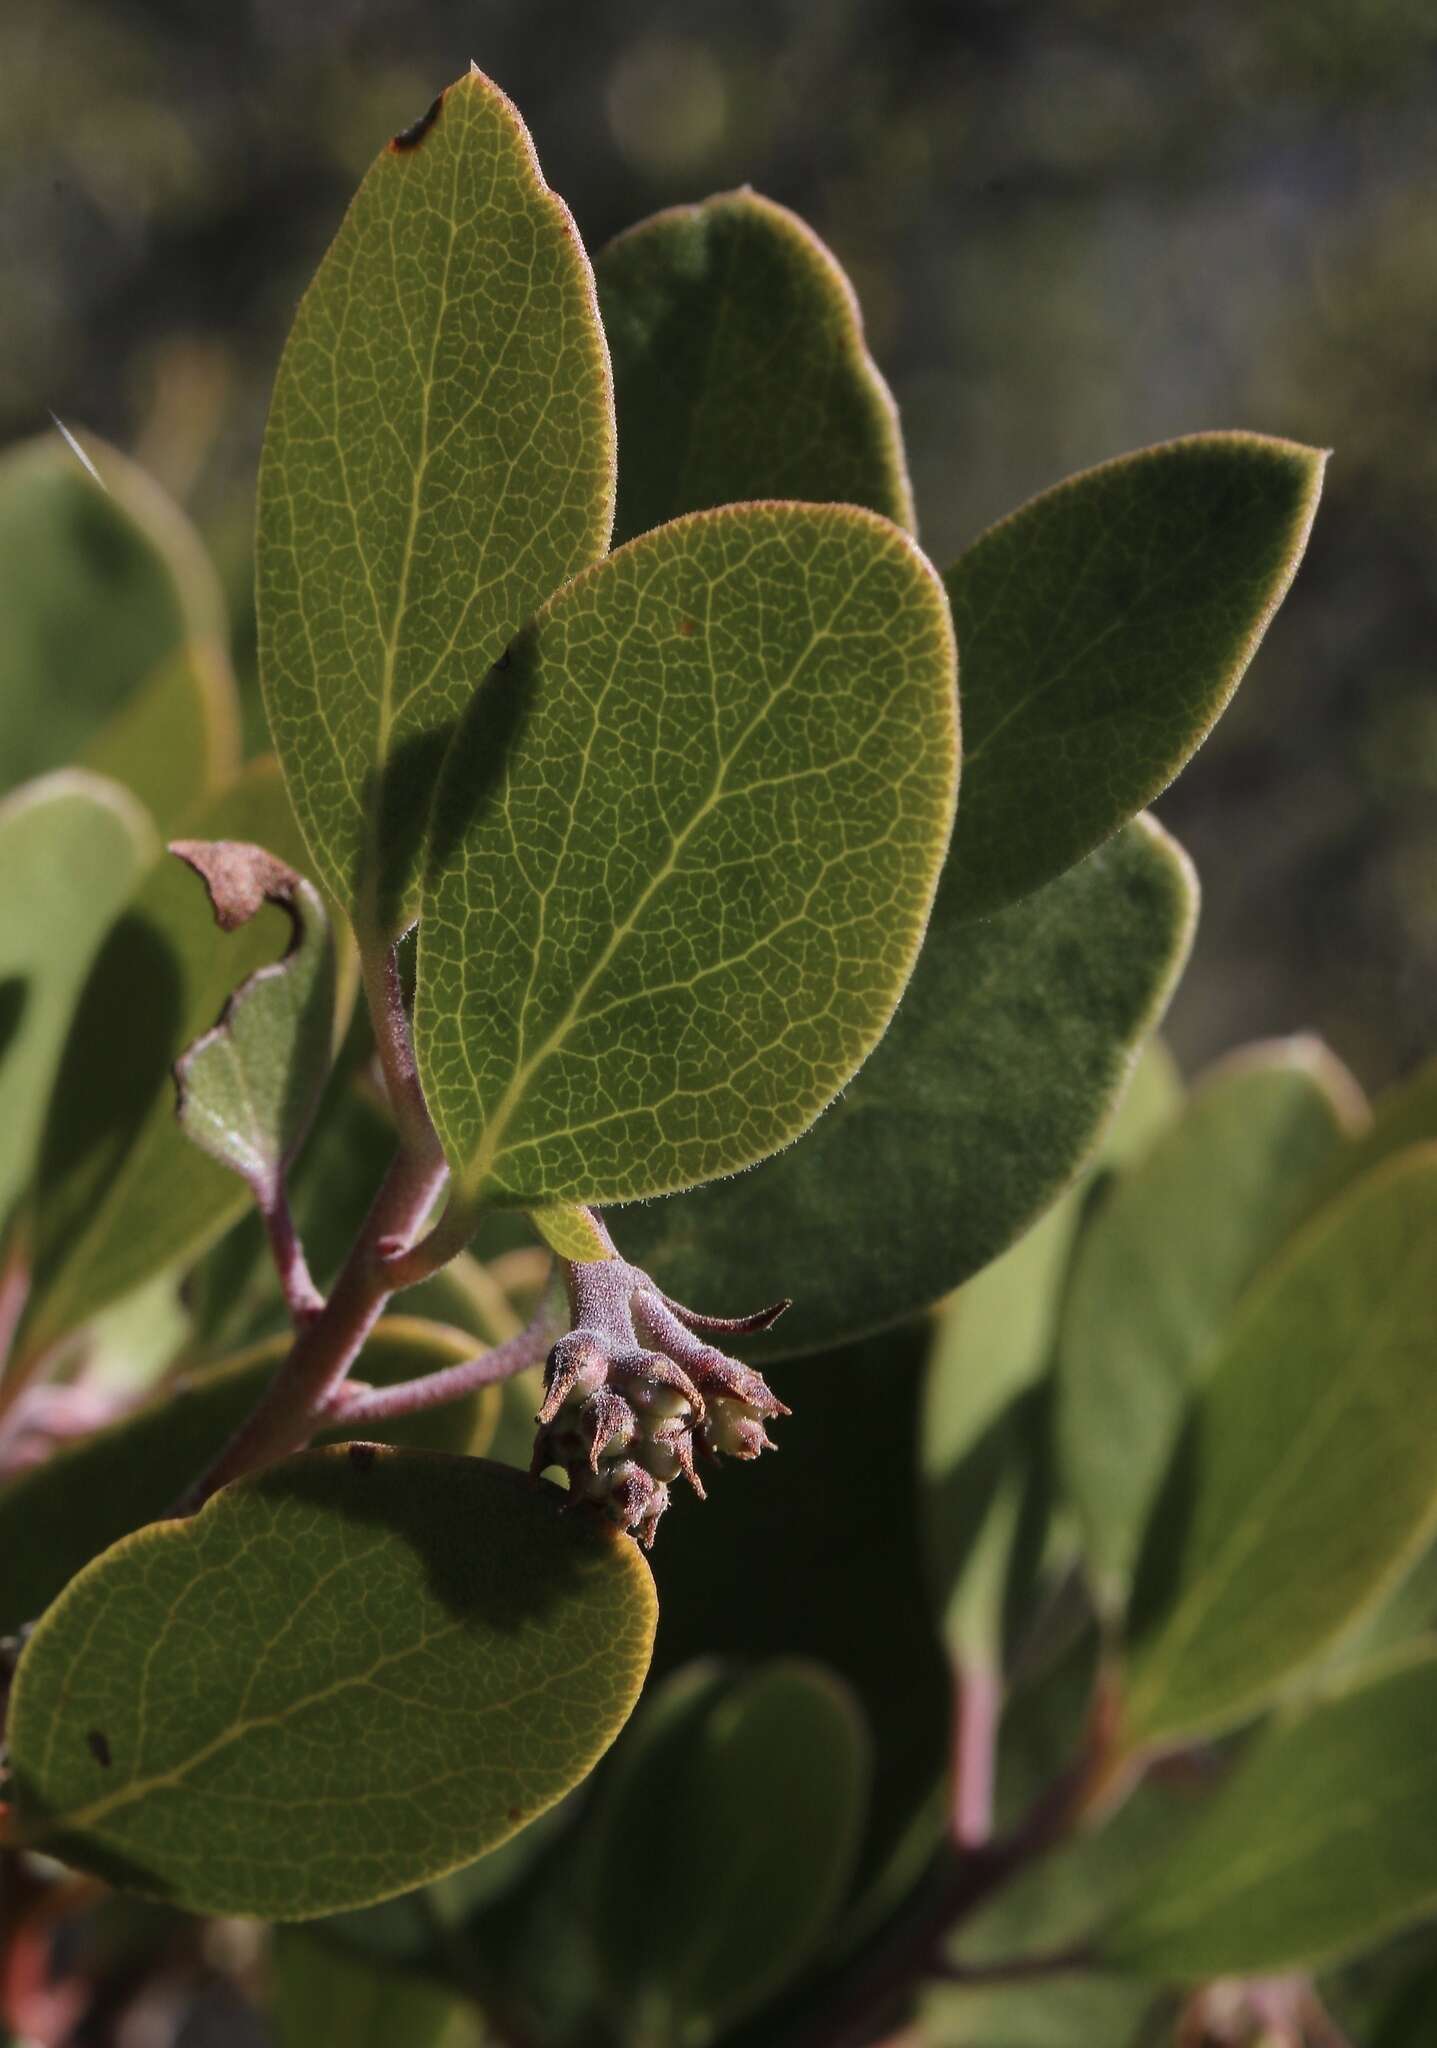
point(303, 1392)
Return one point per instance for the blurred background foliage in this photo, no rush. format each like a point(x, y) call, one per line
point(1076, 226)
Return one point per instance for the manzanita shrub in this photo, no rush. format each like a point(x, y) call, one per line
point(1065, 1677)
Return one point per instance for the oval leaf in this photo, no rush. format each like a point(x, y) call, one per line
point(341, 1678)
point(102, 580)
point(324, 1998)
point(71, 849)
point(1323, 1841)
point(740, 369)
point(1304, 1483)
point(1160, 1269)
point(1104, 627)
point(57, 1516)
point(439, 459)
point(120, 1192)
point(176, 741)
point(1009, 1049)
point(1401, 1117)
point(748, 1802)
point(684, 852)
point(247, 1089)
point(819, 1554)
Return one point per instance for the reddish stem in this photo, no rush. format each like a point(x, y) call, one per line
point(977, 1709)
point(382, 1404)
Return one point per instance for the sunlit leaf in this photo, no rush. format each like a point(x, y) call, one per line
point(1324, 1841)
point(57, 1516)
point(71, 849)
point(684, 851)
point(439, 459)
point(990, 1089)
point(740, 369)
point(1160, 1270)
point(341, 1678)
point(1103, 628)
point(1304, 1482)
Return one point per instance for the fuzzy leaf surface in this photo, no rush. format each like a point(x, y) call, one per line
point(1303, 1485)
point(439, 459)
point(1011, 1045)
point(101, 583)
point(1161, 1268)
point(343, 1677)
point(71, 849)
point(247, 1088)
point(1103, 628)
point(750, 1806)
point(120, 1191)
point(740, 368)
point(1323, 1841)
point(57, 1516)
point(684, 852)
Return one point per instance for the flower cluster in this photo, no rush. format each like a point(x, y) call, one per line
point(634, 1397)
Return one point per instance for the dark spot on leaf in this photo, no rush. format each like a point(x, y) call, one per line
point(688, 627)
point(99, 1747)
point(362, 1456)
point(516, 1814)
point(414, 134)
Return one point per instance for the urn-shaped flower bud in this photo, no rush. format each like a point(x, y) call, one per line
point(626, 1420)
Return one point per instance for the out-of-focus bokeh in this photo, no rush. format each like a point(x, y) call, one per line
point(1076, 226)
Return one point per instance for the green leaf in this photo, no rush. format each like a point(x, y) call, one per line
point(994, 1336)
point(102, 579)
point(324, 1998)
point(439, 459)
point(176, 741)
point(1303, 1486)
point(57, 1516)
point(740, 369)
point(1401, 1117)
point(570, 1230)
point(743, 1803)
point(71, 849)
point(990, 1089)
point(247, 1089)
point(684, 852)
point(341, 1678)
point(1323, 1841)
point(120, 1192)
point(818, 1553)
point(1076, 2010)
point(1161, 1268)
point(1103, 628)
